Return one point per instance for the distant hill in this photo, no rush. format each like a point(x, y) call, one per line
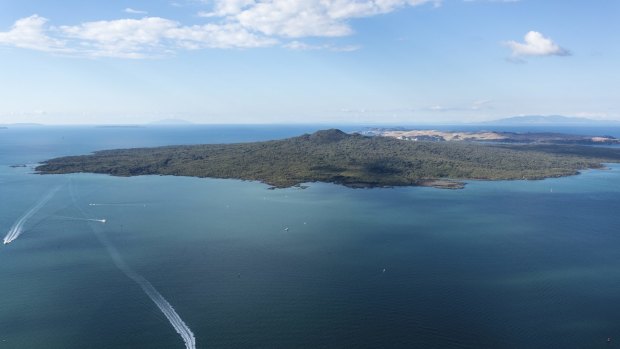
point(544, 119)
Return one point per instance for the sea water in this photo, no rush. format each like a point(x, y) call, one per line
point(501, 264)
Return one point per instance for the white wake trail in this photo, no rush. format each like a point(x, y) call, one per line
point(83, 219)
point(18, 227)
point(175, 320)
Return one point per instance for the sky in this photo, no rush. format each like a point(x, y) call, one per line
point(307, 61)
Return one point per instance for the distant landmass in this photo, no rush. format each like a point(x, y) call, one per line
point(545, 119)
point(352, 160)
point(491, 136)
point(171, 122)
point(20, 124)
point(119, 126)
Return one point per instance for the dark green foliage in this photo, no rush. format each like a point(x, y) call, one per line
point(337, 157)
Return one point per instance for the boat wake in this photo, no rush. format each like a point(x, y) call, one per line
point(83, 219)
point(17, 228)
point(175, 320)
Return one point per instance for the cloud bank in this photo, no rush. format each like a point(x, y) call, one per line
point(230, 24)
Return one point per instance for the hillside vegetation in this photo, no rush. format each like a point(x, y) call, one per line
point(336, 157)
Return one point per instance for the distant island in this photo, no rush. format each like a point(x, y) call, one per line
point(491, 136)
point(171, 122)
point(352, 160)
point(119, 126)
point(21, 124)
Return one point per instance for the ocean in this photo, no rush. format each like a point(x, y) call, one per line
point(165, 262)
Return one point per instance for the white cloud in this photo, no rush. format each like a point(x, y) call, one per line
point(31, 33)
point(228, 35)
point(232, 24)
point(124, 38)
point(133, 11)
point(223, 8)
point(535, 44)
point(303, 18)
point(128, 38)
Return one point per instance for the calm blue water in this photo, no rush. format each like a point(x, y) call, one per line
point(507, 264)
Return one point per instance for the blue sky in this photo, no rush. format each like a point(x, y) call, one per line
point(307, 61)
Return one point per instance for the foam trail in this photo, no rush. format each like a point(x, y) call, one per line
point(175, 320)
point(83, 219)
point(18, 227)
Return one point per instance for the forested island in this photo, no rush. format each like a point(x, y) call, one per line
point(352, 160)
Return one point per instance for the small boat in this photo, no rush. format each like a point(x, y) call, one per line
point(286, 229)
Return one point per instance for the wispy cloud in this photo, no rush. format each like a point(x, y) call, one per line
point(302, 46)
point(135, 12)
point(231, 24)
point(481, 104)
point(303, 18)
point(477, 105)
point(535, 44)
point(128, 38)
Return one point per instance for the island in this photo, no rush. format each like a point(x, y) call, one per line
point(352, 160)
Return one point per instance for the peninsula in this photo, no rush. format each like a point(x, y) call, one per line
point(352, 160)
